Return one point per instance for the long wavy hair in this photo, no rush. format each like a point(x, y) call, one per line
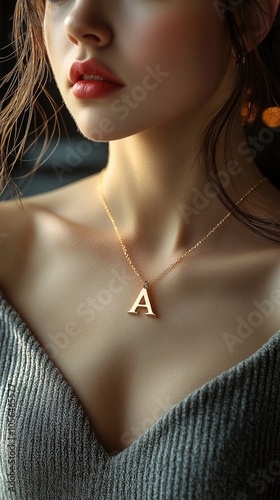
point(257, 89)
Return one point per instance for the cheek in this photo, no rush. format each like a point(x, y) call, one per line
point(53, 42)
point(48, 40)
point(183, 40)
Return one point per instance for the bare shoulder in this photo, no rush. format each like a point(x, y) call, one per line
point(12, 220)
point(67, 201)
point(20, 221)
point(15, 228)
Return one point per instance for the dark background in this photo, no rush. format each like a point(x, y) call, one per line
point(76, 157)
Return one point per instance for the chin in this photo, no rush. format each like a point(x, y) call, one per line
point(108, 131)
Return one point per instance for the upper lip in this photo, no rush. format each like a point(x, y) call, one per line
point(91, 67)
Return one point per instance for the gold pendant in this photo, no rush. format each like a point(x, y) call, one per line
point(143, 296)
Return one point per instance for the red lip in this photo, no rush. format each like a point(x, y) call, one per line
point(90, 67)
point(92, 89)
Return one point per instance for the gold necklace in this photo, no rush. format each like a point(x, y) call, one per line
point(143, 299)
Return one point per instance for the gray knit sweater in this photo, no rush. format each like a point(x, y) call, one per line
point(222, 442)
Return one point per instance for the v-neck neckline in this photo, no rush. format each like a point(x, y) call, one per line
point(262, 351)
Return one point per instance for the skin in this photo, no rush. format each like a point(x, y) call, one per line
point(162, 130)
point(63, 251)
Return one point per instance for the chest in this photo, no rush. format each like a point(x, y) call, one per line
point(202, 445)
point(128, 370)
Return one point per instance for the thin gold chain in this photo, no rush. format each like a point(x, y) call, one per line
point(147, 282)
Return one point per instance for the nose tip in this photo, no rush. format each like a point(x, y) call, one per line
point(97, 40)
point(84, 31)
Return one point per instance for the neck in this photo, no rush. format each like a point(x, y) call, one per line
point(156, 192)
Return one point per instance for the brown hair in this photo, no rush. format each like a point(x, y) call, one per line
point(26, 81)
point(258, 88)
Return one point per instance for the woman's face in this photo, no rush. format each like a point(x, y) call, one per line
point(171, 58)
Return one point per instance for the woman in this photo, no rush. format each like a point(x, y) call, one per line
point(140, 307)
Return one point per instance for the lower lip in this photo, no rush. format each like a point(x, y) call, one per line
point(94, 89)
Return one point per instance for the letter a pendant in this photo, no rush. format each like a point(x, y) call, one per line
point(143, 300)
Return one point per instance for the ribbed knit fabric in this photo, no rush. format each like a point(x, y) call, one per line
point(222, 442)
